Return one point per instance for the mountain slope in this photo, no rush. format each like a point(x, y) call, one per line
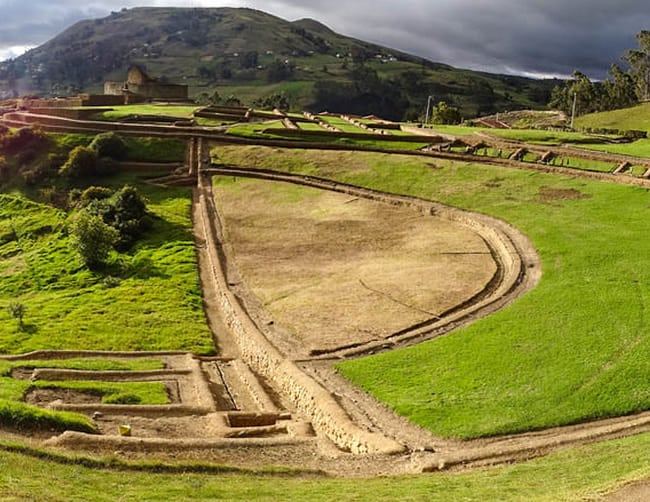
point(251, 54)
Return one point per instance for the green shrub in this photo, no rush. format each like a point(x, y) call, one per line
point(109, 144)
point(94, 193)
point(127, 216)
point(24, 141)
point(17, 311)
point(82, 161)
point(91, 238)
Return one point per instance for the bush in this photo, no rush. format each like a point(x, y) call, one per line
point(124, 210)
point(91, 238)
point(24, 140)
point(94, 193)
point(109, 144)
point(82, 161)
point(128, 217)
point(17, 311)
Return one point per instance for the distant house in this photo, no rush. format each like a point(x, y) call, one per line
point(141, 87)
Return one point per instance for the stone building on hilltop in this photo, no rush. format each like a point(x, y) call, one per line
point(140, 87)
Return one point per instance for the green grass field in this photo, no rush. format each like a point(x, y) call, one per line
point(90, 364)
point(120, 112)
point(634, 118)
point(146, 299)
point(584, 164)
point(342, 125)
point(542, 137)
point(309, 126)
point(577, 474)
point(569, 351)
point(639, 148)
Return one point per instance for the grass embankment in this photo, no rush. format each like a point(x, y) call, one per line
point(90, 364)
point(120, 112)
point(146, 299)
point(634, 118)
point(569, 351)
point(138, 149)
point(543, 137)
point(256, 130)
point(571, 475)
point(639, 148)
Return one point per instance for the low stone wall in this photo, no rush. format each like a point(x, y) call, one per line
point(307, 395)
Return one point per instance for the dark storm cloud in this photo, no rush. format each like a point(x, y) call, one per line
point(540, 37)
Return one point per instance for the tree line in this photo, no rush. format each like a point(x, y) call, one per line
point(623, 88)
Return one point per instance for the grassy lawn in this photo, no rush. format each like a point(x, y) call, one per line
point(587, 165)
point(150, 393)
point(254, 129)
point(639, 148)
point(572, 475)
point(541, 137)
point(120, 112)
point(146, 299)
point(309, 126)
point(90, 364)
point(574, 349)
point(342, 125)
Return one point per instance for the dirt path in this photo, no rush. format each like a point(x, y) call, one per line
point(634, 492)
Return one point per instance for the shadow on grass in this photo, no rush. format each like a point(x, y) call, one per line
point(28, 328)
point(142, 267)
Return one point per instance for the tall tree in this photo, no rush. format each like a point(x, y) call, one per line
point(621, 89)
point(639, 61)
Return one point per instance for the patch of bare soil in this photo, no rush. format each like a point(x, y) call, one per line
point(335, 270)
point(43, 397)
point(635, 492)
point(548, 194)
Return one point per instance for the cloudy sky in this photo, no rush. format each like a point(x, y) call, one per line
point(529, 37)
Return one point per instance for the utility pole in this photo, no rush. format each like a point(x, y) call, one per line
point(429, 99)
point(573, 111)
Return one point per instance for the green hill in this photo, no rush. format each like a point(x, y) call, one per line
point(634, 118)
point(253, 55)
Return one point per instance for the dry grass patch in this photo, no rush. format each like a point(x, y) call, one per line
point(337, 270)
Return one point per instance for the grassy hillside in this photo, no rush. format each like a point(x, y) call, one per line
point(251, 54)
point(634, 118)
point(146, 299)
